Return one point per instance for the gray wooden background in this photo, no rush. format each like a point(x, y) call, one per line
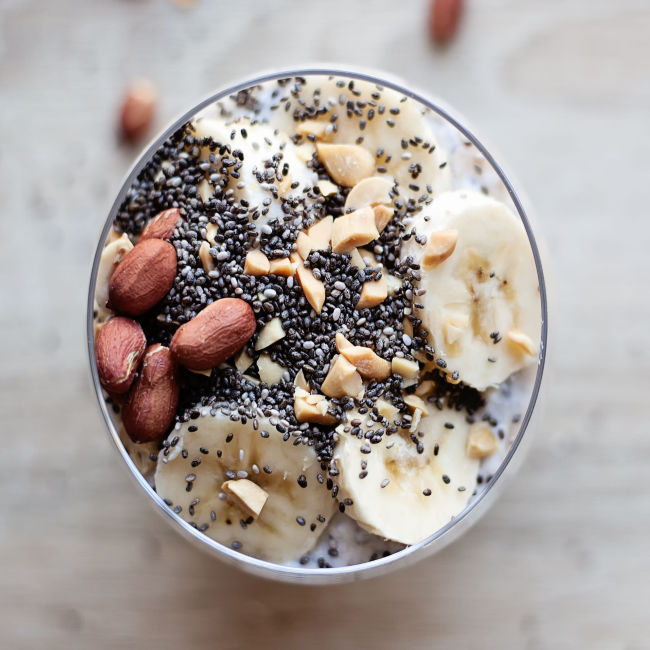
point(562, 561)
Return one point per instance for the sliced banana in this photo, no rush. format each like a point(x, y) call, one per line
point(391, 127)
point(259, 143)
point(398, 493)
point(483, 295)
point(220, 450)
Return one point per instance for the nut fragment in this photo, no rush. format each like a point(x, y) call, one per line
point(304, 245)
point(138, 108)
point(301, 382)
point(162, 225)
point(356, 259)
point(521, 342)
point(312, 408)
point(341, 342)
point(481, 441)
point(256, 263)
point(243, 361)
point(210, 231)
point(206, 259)
point(383, 215)
point(415, 421)
point(327, 188)
point(320, 233)
point(282, 266)
point(354, 229)
point(367, 363)
point(425, 388)
point(214, 334)
point(143, 277)
point(312, 287)
point(249, 497)
point(454, 327)
point(111, 256)
point(370, 192)
point(415, 402)
point(373, 293)
point(386, 409)
point(342, 379)
point(204, 190)
point(270, 371)
point(119, 348)
point(440, 246)
point(151, 407)
point(270, 333)
point(347, 164)
point(405, 367)
point(313, 127)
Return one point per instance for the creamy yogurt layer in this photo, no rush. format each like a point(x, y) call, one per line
point(328, 316)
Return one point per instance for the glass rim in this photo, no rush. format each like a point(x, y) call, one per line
point(266, 568)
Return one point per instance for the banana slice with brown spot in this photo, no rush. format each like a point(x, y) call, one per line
point(212, 450)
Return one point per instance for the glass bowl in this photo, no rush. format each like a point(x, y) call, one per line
point(476, 507)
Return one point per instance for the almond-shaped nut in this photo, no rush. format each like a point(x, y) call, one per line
point(153, 399)
point(354, 229)
point(138, 109)
point(440, 246)
point(444, 19)
point(143, 277)
point(162, 225)
point(119, 348)
point(370, 192)
point(347, 164)
point(214, 334)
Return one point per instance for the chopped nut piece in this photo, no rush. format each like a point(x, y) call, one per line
point(341, 342)
point(206, 259)
point(414, 402)
point(304, 245)
point(270, 372)
point(312, 127)
point(347, 164)
point(405, 367)
point(425, 388)
point(368, 364)
point(243, 361)
point(415, 422)
point(282, 266)
point(256, 263)
point(320, 234)
point(270, 333)
point(370, 192)
point(342, 379)
point(327, 188)
point(439, 247)
point(521, 342)
point(210, 231)
point(383, 215)
point(301, 382)
point(356, 259)
point(393, 284)
point(481, 441)
point(388, 410)
point(373, 293)
point(312, 408)
point(305, 151)
point(246, 495)
point(354, 229)
point(313, 288)
point(455, 325)
point(204, 190)
point(206, 373)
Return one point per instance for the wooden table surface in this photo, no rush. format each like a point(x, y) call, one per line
point(562, 560)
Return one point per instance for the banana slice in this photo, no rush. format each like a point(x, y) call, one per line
point(385, 123)
point(405, 496)
point(259, 144)
point(212, 450)
point(482, 305)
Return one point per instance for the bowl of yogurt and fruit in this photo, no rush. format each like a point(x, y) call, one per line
point(317, 325)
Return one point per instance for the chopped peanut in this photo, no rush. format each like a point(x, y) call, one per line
point(256, 263)
point(439, 247)
point(370, 192)
point(243, 361)
point(367, 363)
point(313, 127)
point(270, 371)
point(356, 259)
point(327, 188)
point(341, 342)
point(414, 402)
point(347, 164)
point(270, 333)
point(383, 215)
point(481, 441)
point(415, 422)
point(354, 229)
point(405, 367)
point(521, 342)
point(210, 231)
point(425, 388)
point(304, 245)
point(301, 382)
point(320, 233)
point(342, 379)
point(206, 259)
point(312, 287)
point(204, 190)
point(388, 410)
point(246, 495)
point(312, 408)
point(282, 266)
point(373, 293)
